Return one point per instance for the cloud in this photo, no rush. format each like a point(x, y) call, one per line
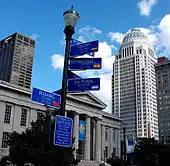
point(145, 7)
point(158, 34)
point(116, 36)
point(88, 30)
point(164, 34)
point(57, 61)
point(34, 36)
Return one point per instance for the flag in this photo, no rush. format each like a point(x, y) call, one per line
point(97, 66)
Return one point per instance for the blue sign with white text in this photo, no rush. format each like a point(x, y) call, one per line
point(82, 130)
point(63, 131)
point(85, 48)
point(75, 42)
point(86, 84)
point(43, 97)
point(85, 63)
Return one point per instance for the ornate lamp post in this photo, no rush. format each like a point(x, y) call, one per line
point(70, 19)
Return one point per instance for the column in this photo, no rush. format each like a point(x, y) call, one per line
point(110, 141)
point(118, 143)
point(2, 113)
point(98, 140)
point(94, 138)
point(87, 141)
point(103, 141)
point(76, 132)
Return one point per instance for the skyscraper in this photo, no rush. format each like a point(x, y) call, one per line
point(163, 98)
point(16, 59)
point(135, 85)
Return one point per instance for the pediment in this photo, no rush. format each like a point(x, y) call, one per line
point(88, 97)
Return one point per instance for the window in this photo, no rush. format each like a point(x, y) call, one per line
point(114, 152)
point(114, 135)
point(106, 134)
point(23, 117)
point(106, 151)
point(39, 114)
point(7, 114)
point(5, 140)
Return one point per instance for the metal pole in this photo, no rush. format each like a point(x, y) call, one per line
point(69, 31)
point(124, 143)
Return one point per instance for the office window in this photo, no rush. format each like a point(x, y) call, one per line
point(5, 140)
point(106, 134)
point(7, 114)
point(23, 117)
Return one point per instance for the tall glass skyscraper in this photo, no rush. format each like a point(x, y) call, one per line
point(134, 88)
point(16, 59)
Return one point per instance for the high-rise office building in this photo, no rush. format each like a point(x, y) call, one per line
point(135, 99)
point(162, 69)
point(16, 59)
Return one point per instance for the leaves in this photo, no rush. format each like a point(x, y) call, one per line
point(32, 146)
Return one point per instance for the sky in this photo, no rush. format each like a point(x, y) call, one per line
point(107, 21)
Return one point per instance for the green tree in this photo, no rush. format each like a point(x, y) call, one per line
point(31, 146)
point(149, 152)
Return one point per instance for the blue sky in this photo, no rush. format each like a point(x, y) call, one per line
point(108, 21)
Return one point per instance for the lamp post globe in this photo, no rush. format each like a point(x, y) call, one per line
point(70, 20)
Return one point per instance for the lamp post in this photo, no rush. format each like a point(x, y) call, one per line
point(70, 19)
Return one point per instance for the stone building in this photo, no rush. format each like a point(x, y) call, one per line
point(17, 110)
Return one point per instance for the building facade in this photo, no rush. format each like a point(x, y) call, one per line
point(16, 59)
point(102, 129)
point(135, 85)
point(162, 69)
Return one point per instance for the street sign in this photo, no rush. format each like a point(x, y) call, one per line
point(63, 131)
point(85, 48)
point(76, 42)
point(86, 84)
point(44, 97)
point(85, 63)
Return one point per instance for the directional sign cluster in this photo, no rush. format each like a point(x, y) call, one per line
point(77, 49)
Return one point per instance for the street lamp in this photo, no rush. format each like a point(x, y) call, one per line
point(70, 19)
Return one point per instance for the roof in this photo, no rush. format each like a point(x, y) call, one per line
point(135, 35)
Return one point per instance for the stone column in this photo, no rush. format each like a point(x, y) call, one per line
point(118, 143)
point(94, 138)
point(76, 132)
point(110, 141)
point(87, 140)
point(98, 140)
point(103, 141)
point(2, 111)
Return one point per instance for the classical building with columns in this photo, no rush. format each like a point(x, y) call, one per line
point(101, 129)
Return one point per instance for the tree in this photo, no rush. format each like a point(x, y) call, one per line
point(31, 146)
point(149, 152)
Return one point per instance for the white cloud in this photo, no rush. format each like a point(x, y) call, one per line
point(89, 31)
point(116, 36)
point(57, 61)
point(164, 35)
point(34, 36)
point(145, 7)
point(158, 34)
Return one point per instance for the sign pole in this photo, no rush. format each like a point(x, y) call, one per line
point(69, 31)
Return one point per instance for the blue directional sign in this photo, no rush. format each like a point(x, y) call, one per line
point(86, 84)
point(76, 42)
point(63, 131)
point(85, 63)
point(85, 48)
point(47, 98)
